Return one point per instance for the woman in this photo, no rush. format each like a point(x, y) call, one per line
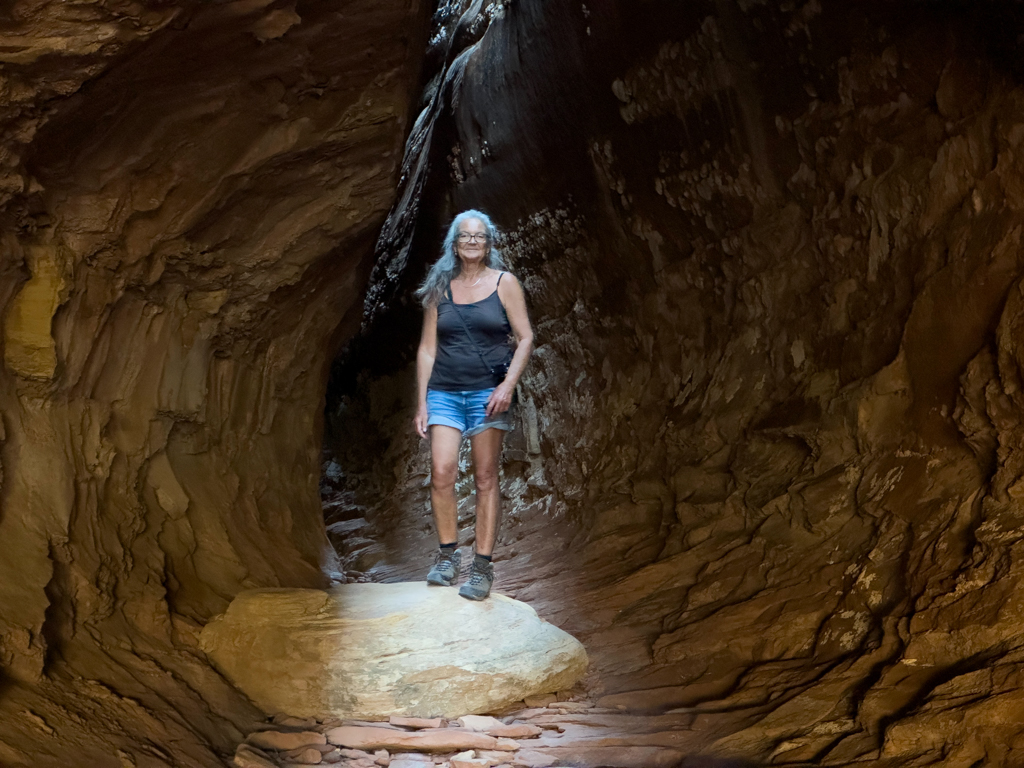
point(466, 374)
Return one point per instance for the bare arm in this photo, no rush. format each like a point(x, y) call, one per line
point(511, 294)
point(424, 365)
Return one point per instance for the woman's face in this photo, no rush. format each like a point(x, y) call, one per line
point(471, 242)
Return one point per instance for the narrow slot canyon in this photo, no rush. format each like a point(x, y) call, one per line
point(767, 461)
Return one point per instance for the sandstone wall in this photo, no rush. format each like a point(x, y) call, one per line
point(769, 467)
point(190, 195)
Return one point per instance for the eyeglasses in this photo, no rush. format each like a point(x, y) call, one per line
point(472, 237)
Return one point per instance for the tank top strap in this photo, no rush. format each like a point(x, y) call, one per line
point(499, 280)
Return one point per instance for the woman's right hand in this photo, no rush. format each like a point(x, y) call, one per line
point(421, 420)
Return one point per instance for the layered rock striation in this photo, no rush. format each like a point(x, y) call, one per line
point(189, 193)
point(768, 467)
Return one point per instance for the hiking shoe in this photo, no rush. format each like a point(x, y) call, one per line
point(446, 569)
point(478, 586)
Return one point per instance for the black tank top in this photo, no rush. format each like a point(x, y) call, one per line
point(457, 363)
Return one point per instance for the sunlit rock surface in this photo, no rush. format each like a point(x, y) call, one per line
point(369, 651)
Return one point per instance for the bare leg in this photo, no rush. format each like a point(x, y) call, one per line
point(444, 468)
point(486, 451)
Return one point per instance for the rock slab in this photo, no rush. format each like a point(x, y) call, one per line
point(438, 740)
point(369, 651)
point(282, 741)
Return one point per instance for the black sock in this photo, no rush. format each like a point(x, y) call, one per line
point(450, 547)
point(485, 558)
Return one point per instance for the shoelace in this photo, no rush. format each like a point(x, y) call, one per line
point(478, 576)
point(440, 557)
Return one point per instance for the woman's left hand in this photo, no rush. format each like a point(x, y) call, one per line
point(500, 399)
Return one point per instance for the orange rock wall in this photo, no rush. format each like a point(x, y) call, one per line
point(190, 197)
point(769, 466)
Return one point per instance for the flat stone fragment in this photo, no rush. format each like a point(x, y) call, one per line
point(494, 756)
point(416, 722)
point(246, 758)
point(516, 731)
point(335, 722)
point(369, 651)
point(482, 759)
point(530, 759)
point(469, 762)
point(407, 761)
point(479, 722)
point(307, 756)
point(323, 749)
point(494, 727)
point(283, 742)
point(434, 740)
point(519, 731)
point(414, 757)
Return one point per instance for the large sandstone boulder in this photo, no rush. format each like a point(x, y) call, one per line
point(374, 650)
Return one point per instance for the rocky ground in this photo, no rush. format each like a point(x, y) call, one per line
point(545, 732)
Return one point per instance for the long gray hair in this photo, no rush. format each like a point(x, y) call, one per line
point(448, 267)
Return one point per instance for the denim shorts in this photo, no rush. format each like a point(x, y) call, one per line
point(465, 411)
